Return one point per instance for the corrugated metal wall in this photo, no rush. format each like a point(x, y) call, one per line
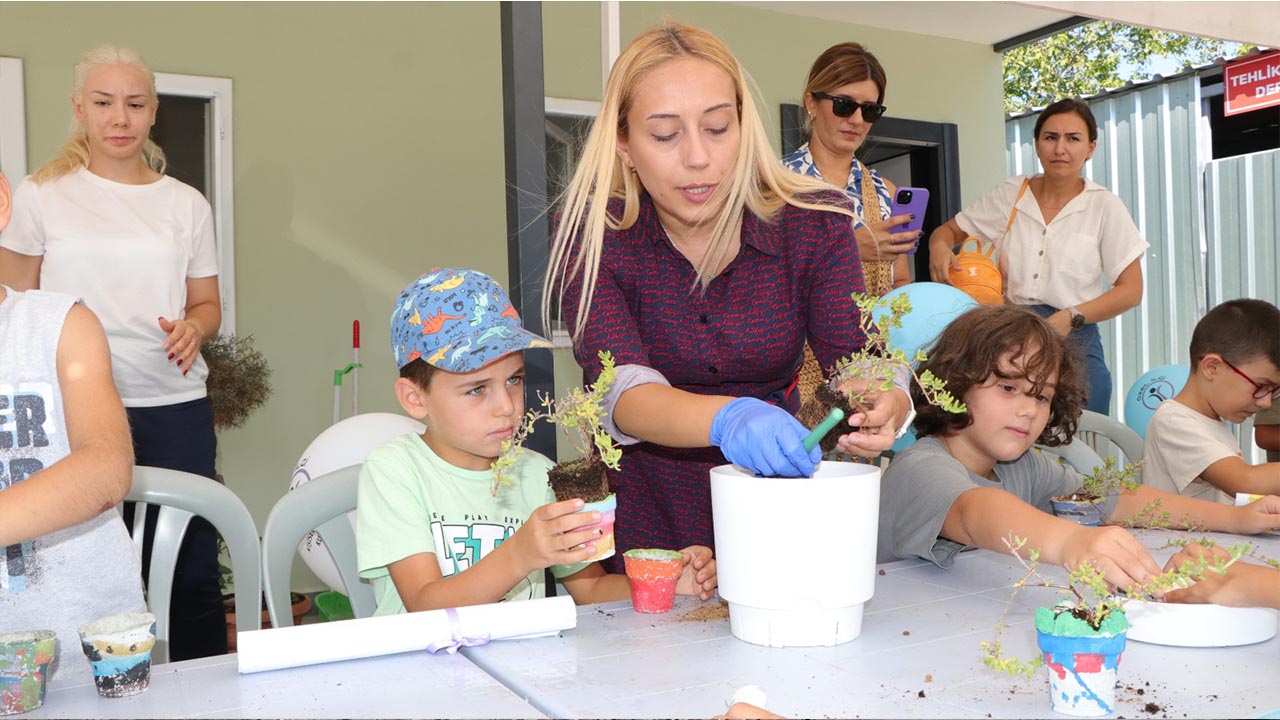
point(1212, 225)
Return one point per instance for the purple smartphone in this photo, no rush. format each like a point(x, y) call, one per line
point(910, 201)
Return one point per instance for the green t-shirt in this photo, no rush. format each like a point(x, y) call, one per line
point(411, 501)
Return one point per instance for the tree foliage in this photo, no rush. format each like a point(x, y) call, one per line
point(1088, 59)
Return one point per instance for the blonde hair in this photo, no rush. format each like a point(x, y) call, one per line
point(757, 181)
point(75, 149)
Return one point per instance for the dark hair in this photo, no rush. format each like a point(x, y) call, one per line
point(1240, 331)
point(1069, 105)
point(420, 372)
point(969, 351)
point(848, 62)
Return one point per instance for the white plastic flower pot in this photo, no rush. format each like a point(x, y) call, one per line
point(775, 540)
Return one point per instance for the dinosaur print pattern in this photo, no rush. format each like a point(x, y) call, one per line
point(458, 320)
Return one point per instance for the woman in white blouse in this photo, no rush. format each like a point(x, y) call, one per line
point(101, 221)
point(1066, 235)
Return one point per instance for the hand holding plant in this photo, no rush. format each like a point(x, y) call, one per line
point(1088, 597)
point(1225, 582)
point(580, 416)
point(862, 382)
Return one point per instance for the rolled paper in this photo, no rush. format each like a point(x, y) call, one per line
point(278, 648)
point(461, 638)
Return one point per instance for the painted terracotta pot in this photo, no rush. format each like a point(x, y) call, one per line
point(604, 544)
point(24, 669)
point(1077, 511)
point(1082, 672)
point(653, 575)
point(119, 649)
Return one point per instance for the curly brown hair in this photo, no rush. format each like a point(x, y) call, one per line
point(969, 351)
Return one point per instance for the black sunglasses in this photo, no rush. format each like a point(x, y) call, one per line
point(844, 107)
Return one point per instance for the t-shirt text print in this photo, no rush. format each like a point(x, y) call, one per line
point(25, 428)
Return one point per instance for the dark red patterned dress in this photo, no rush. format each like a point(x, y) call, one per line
point(791, 281)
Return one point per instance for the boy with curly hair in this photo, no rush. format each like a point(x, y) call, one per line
point(973, 479)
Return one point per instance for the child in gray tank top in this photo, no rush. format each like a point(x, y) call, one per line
point(69, 559)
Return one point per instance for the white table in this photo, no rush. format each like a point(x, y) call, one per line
point(918, 656)
point(409, 685)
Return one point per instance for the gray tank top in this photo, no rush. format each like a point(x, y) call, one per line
point(64, 579)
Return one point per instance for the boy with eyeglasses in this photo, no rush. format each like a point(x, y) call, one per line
point(1235, 370)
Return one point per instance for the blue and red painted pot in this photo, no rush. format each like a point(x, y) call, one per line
point(1082, 672)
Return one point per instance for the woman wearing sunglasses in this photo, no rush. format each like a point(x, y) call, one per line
point(842, 98)
point(1059, 236)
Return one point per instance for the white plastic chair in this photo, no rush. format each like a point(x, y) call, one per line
point(181, 495)
point(1103, 431)
point(1077, 454)
point(321, 505)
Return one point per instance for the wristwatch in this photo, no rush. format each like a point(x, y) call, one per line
point(1077, 318)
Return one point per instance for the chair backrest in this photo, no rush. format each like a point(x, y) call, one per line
point(1077, 454)
point(321, 505)
point(1102, 431)
point(181, 495)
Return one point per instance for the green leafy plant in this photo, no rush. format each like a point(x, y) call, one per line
point(872, 369)
point(239, 379)
point(579, 414)
point(1087, 596)
point(1110, 478)
point(877, 361)
point(226, 578)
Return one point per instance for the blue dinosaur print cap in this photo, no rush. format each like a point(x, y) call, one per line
point(458, 320)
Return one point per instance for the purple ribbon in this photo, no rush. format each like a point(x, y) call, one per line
point(458, 640)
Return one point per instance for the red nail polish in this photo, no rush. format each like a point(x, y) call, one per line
point(179, 361)
point(170, 356)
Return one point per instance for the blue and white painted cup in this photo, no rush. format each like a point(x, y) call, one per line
point(119, 649)
point(1082, 672)
point(1078, 512)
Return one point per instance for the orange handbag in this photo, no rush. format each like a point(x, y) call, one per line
point(978, 274)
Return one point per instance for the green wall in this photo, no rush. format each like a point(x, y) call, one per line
point(930, 78)
point(369, 147)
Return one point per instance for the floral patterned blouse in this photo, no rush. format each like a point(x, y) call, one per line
point(801, 161)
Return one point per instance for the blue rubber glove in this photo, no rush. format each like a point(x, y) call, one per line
point(764, 439)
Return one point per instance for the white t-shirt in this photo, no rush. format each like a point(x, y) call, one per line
point(1061, 263)
point(128, 251)
point(1181, 443)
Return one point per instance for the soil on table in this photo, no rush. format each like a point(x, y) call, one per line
point(581, 478)
point(818, 407)
point(706, 613)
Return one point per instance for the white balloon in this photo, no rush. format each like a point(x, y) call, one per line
point(345, 443)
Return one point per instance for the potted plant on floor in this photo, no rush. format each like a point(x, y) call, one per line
point(579, 415)
point(301, 604)
point(872, 369)
point(1081, 638)
point(239, 383)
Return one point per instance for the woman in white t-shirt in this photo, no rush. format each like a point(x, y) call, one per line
point(101, 221)
point(1065, 235)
